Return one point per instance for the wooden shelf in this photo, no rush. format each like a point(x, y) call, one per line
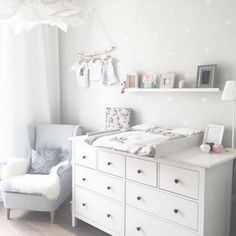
point(173, 90)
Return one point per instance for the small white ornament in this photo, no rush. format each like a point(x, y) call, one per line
point(186, 123)
point(154, 35)
point(141, 17)
point(228, 22)
point(187, 29)
point(182, 83)
point(205, 148)
point(206, 50)
point(208, 2)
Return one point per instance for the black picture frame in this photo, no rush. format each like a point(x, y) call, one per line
point(206, 76)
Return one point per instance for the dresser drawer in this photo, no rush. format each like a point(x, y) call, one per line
point(138, 223)
point(112, 187)
point(141, 171)
point(85, 156)
point(179, 180)
point(100, 210)
point(111, 163)
point(173, 208)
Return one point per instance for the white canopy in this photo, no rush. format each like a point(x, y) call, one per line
point(26, 14)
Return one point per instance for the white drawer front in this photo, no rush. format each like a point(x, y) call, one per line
point(179, 180)
point(96, 208)
point(138, 224)
point(109, 186)
point(85, 156)
point(141, 171)
point(173, 208)
point(111, 163)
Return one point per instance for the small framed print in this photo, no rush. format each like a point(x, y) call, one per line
point(148, 81)
point(132, 80)
point(206, 76)
point(167, 80)
point(214, 134)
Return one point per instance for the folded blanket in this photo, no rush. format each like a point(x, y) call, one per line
point(186, 131)
point(93, 138)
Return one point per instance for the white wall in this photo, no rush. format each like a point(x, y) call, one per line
point(154, 36)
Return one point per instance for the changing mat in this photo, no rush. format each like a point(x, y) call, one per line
point(139, 140)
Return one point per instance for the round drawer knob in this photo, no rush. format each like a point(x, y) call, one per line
point(138, 228)
point(108, 215)
point(176, 181)
point(83, 204)
point(139, 198)
point(108, 187)
point(176, 211)
point(84, 179)
point(84, 157)
point(139, 171)
point(108, 163)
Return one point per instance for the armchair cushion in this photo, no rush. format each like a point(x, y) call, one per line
point(42, 160)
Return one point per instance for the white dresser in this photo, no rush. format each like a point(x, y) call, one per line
point(184, 194)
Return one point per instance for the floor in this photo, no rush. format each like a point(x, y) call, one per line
point(38, 224)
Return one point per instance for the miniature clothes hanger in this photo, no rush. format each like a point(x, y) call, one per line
point(97, 65)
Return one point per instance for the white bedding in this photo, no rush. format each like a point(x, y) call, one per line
point(138, 140)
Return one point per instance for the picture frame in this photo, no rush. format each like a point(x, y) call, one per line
point(167, 80)
point(206, 76)
point(132, 80)
point(213, 134)
point(148, 80)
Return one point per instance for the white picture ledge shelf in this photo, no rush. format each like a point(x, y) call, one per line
point(173, 90)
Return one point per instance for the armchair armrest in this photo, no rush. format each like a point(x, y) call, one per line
point(61, 168)
point(15, 167)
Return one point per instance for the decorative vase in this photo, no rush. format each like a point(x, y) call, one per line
point(182, 83)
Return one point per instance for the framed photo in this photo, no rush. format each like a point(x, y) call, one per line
point(148, 81)
point(132, 80)
point(167, 80)
point(206, 76)
point(214, 134)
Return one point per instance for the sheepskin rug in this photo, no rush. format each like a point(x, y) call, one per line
point(16, 180)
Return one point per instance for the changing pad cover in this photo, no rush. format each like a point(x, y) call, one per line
point(138, 140)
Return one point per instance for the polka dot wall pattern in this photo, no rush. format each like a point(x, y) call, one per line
point(157, 36)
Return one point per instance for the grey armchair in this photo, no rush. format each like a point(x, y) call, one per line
point(41, 136)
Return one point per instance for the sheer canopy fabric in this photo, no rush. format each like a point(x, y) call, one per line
point(29, 85)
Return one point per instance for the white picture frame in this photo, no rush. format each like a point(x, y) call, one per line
point(132, 80)
point(214, 134)
point(167, 80)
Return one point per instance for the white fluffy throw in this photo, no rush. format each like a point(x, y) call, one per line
point(15, 167)
point(47, 185)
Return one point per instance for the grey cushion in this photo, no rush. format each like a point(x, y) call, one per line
point(42, 160)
